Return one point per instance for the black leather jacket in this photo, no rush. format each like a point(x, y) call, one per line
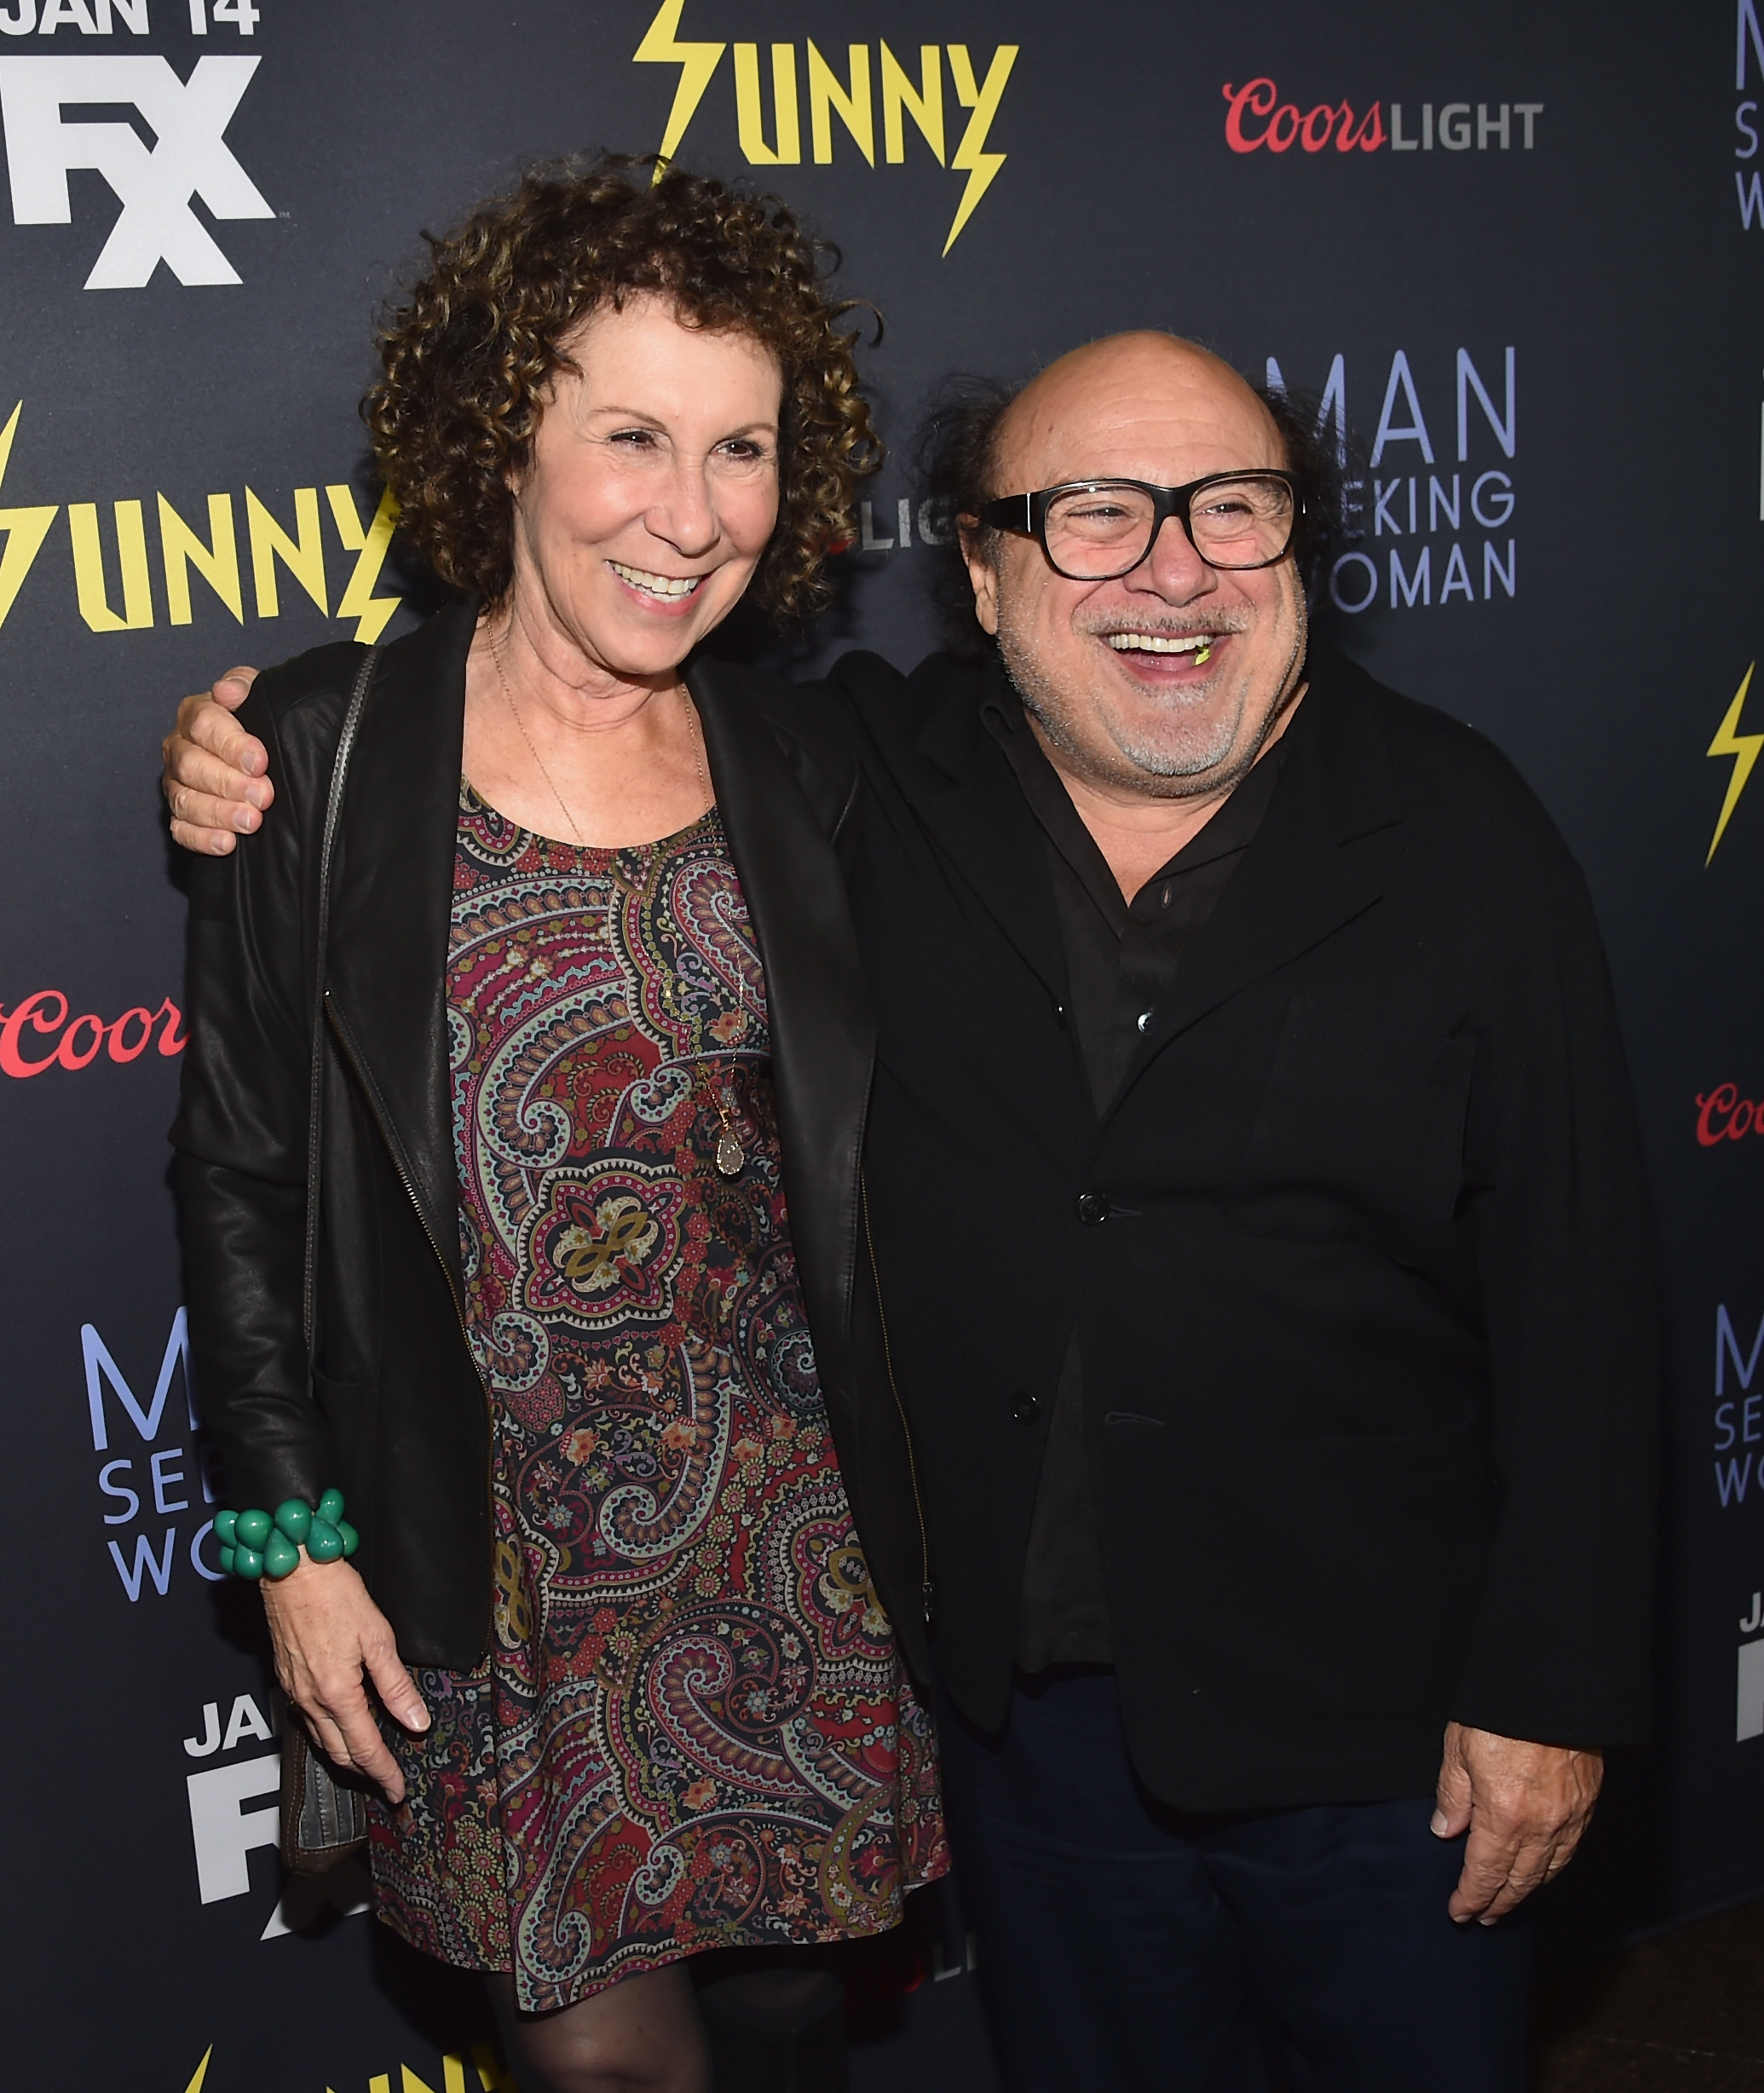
point(389, 1407)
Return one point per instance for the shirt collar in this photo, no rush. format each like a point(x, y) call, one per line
point(1232, 828)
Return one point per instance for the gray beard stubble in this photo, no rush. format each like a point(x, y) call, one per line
point(1151, 770)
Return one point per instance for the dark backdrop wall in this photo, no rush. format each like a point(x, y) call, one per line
point(1514, 250)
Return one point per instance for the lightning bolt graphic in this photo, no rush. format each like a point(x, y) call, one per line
point(26, 529)
point(1743, 748)
point(661, 46)
point(972, 157)
point(373, 613)
point(195, 2085)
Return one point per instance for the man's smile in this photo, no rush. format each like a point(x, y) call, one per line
point(1166, 656)
point(1199, 644)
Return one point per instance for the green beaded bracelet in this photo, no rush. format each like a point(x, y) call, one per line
point(257, 1544)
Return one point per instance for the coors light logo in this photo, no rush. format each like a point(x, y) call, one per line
point(1256, 120)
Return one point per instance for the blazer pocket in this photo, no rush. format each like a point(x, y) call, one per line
point(1363, 1112)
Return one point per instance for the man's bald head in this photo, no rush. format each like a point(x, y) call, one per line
point(1107, 387)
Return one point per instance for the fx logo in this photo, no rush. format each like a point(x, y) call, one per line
point(154, 184)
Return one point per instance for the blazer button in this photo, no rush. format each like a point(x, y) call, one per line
point(1025, 1409)
point(1092, 1208)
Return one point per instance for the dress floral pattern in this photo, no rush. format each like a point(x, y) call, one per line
point(692, 1730)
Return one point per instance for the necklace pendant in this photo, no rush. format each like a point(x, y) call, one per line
point(731, 1156)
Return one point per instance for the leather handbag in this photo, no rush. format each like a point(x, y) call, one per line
point(324, 1815)
point(323, 1812)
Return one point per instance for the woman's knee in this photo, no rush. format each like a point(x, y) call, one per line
point(640, 2035)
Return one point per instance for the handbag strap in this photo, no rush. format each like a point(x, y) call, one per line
point(334, 809)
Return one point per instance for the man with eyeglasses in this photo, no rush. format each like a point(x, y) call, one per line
point(1255, 1204)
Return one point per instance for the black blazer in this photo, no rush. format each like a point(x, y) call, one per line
point(390, 1406)
point(1358, 1258)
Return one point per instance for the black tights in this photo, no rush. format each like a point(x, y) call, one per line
point(640, 2035)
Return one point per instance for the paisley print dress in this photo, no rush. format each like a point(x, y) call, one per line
point(692, 1730)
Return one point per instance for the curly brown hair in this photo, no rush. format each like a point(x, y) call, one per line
point(470, 353)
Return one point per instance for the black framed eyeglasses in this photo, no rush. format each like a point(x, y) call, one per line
point(1098, 530)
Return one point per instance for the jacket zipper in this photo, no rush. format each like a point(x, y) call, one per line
point(333, 813)
point(410, 1190)
point(927, 1589)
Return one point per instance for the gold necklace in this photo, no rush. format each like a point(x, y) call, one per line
point(731, 1157)
point(694, 731)
point(695, 728)
point(562, 804)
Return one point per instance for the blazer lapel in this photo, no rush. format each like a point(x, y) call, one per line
point(970, 801)
point(1298, 884)
point(392, 892)
point(822, 1030)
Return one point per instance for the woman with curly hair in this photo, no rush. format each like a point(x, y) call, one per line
point(545, 982)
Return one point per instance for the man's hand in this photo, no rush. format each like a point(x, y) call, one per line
point(328, 1631)
point(215, 772)
point(1525, 1805)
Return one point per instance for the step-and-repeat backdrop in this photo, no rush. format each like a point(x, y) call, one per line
point(1514, 255)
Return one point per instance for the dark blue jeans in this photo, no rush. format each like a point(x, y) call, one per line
point(1125, 1947)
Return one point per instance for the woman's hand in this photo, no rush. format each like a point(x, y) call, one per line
point(328, 1631)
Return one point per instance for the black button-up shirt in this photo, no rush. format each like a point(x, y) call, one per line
point(1121, 958)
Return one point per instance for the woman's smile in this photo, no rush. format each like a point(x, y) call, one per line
point(666, 588)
